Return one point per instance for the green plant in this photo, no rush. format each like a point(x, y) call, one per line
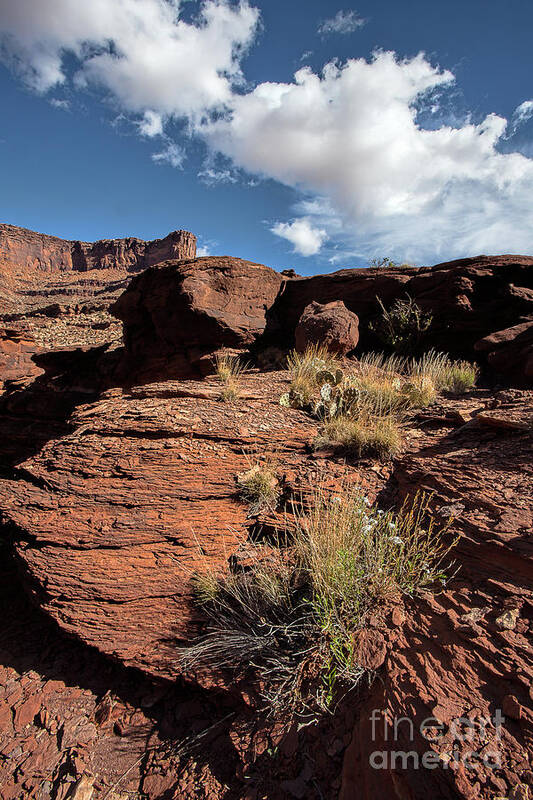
point(461, 377)
point(386, 262)
point(290, 618)
point(259, 486)
point(403, 326)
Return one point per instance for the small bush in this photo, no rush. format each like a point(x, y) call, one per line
point(294, 613)
point(403, 326)
point(259, 486)
point(386, 262)
point(461, 377)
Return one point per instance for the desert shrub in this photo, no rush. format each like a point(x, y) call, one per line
point(460, 377)
point(229, 370)
point(447, 375)
point(385, 262)
point(293, 614)
point(259, 486)
point(403, 326)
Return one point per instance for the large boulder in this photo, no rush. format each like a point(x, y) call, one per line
point(330, 324)
point(179, 312)
point(510, 350)
point(112, 520)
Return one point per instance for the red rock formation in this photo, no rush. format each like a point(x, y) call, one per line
point(24, 250)
point(137, 497)
point(44, 279)
point(469, 299)
point(110, 519)
point(112, 497)
point(16, 351)
point(510, 350)
point(330, 324)
point(177, 313)
point(462, 653)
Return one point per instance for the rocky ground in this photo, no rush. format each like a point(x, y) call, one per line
point(109, 521)
point(115, 487)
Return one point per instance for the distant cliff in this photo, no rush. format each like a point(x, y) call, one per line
point(26, 250)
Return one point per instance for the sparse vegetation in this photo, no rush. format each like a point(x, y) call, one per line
point(229, 370)
point(386, 262)
point(403, 326)
point(259, 486)
point(419, 391)
point(294, 613)
point(364, 435)
point(447, 375)
point(363, 410)
point(304, 368)
point(460, 377)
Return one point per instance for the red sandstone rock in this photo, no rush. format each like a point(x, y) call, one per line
point(135, 500)
point(57, 292)
point(178, 312)
point(369, 649)
point(330, 324)
point(510, 350)
point(469, 300)
point(24, 249)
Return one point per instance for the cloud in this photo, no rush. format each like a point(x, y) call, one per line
point(343, 22)
point(172, 154)
point(377, 167)
point(63, 104)
point(350, 137)
point(522, 114)
point(140, 51)
point(151, 124)
point(306, 239)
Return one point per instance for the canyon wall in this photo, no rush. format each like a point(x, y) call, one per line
point(26, 250)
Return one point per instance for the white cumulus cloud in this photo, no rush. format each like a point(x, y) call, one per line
point(521, 114)
point(140, 51)
point(343, 22)
point(306, 239)
point(350, 137)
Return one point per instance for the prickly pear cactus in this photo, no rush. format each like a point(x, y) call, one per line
point(333, 378)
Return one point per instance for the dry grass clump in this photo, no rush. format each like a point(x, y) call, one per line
point(460, 377)
point(259, 486)
point(304, 368)
point(363, 409)
point(364, 435)
point(419, 391)
point(229, 370)
point(291, 617)
point(448, 375)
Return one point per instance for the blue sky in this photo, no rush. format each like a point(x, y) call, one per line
point(137, 117)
